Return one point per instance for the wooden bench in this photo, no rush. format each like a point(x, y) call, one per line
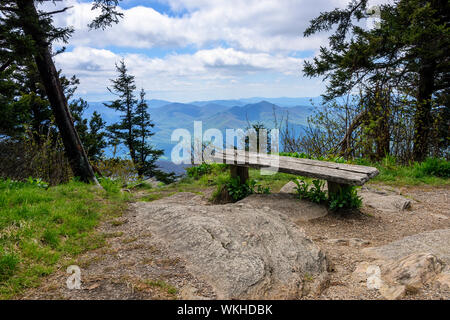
point(337, 175)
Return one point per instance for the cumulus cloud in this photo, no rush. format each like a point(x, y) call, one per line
point(233, 46)
point(258, 25)
point(95, 66)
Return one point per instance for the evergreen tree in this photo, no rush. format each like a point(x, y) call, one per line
point(134, 127)
point(91, 132)
point(406, 55)
point(124, 131)
point(28, 32)
point(146, 155)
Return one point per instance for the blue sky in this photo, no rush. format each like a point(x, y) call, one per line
point(185, 50)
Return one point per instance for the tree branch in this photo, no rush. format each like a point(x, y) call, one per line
point(55, 12)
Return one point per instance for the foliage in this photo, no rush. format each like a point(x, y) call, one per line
point(204, 169)
point(239, 191)
point(312, 192)
point(134, 128)
point(146, 154)
point(433, 167)
point(399, 70)
point(346, 198)
point(91, 133)
point(27, 33)
point(40, 156)
point(117, 169)
point(41, 228)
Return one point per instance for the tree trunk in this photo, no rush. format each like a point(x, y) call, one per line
point(74, 149)
point(422, 118)
point(383, 137)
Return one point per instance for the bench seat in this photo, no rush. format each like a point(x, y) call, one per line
point(337, 174)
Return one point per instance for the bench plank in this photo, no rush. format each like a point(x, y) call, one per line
point(334, 172)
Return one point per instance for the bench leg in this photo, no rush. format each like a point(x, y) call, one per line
point(241, 172)
point(334, 188)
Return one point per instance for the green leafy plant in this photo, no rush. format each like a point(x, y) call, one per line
point(205, 169)
point(239, 191)
point(37, 182)
point(346, 198)
point(262, 190)
point(198, 171)
point(313, 192)
point(432, 167)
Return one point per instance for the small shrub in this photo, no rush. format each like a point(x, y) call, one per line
point(312, 192)
point(346, 198)
point(198, 171)
point(117, 169)
point(262, 190)
point(432, 167)
point(205, 169)
point(110, 185)
point(236, 190)
point(40, 156)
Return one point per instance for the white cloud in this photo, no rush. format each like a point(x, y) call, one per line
point(258, 25)
point(216, 73)
point(239, 48)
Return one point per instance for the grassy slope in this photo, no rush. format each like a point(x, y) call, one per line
point(41, 229)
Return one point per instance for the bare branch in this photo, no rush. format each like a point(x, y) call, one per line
point(55, 12)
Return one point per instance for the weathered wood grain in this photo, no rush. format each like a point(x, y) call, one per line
point(334, 172)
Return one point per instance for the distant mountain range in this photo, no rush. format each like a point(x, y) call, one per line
point(220, 114)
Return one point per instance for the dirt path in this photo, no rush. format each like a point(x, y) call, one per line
point(132, 266)
point(430, 211)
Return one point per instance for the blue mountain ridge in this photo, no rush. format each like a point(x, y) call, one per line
point(219, 114)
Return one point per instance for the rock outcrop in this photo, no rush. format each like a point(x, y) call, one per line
point(436, 242)
point(384, 201)
point(241, 251)
point(394, 279)
point(287, 204)
point(409, 264)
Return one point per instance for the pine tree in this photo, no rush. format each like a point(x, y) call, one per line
point(26, 31)
point(407, 54)
point(146, 155)
point(91, 131)
point(134, 127)
point(123, 131)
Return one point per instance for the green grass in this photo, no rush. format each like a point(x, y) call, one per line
point(41, 228)
point(433, 172)
point(162, 285)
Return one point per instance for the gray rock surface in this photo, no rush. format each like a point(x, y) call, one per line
point(242, 252)
point(289, 187)
point(396, 277)
point(436, 242)
point(287, 204)
point(384, 201)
